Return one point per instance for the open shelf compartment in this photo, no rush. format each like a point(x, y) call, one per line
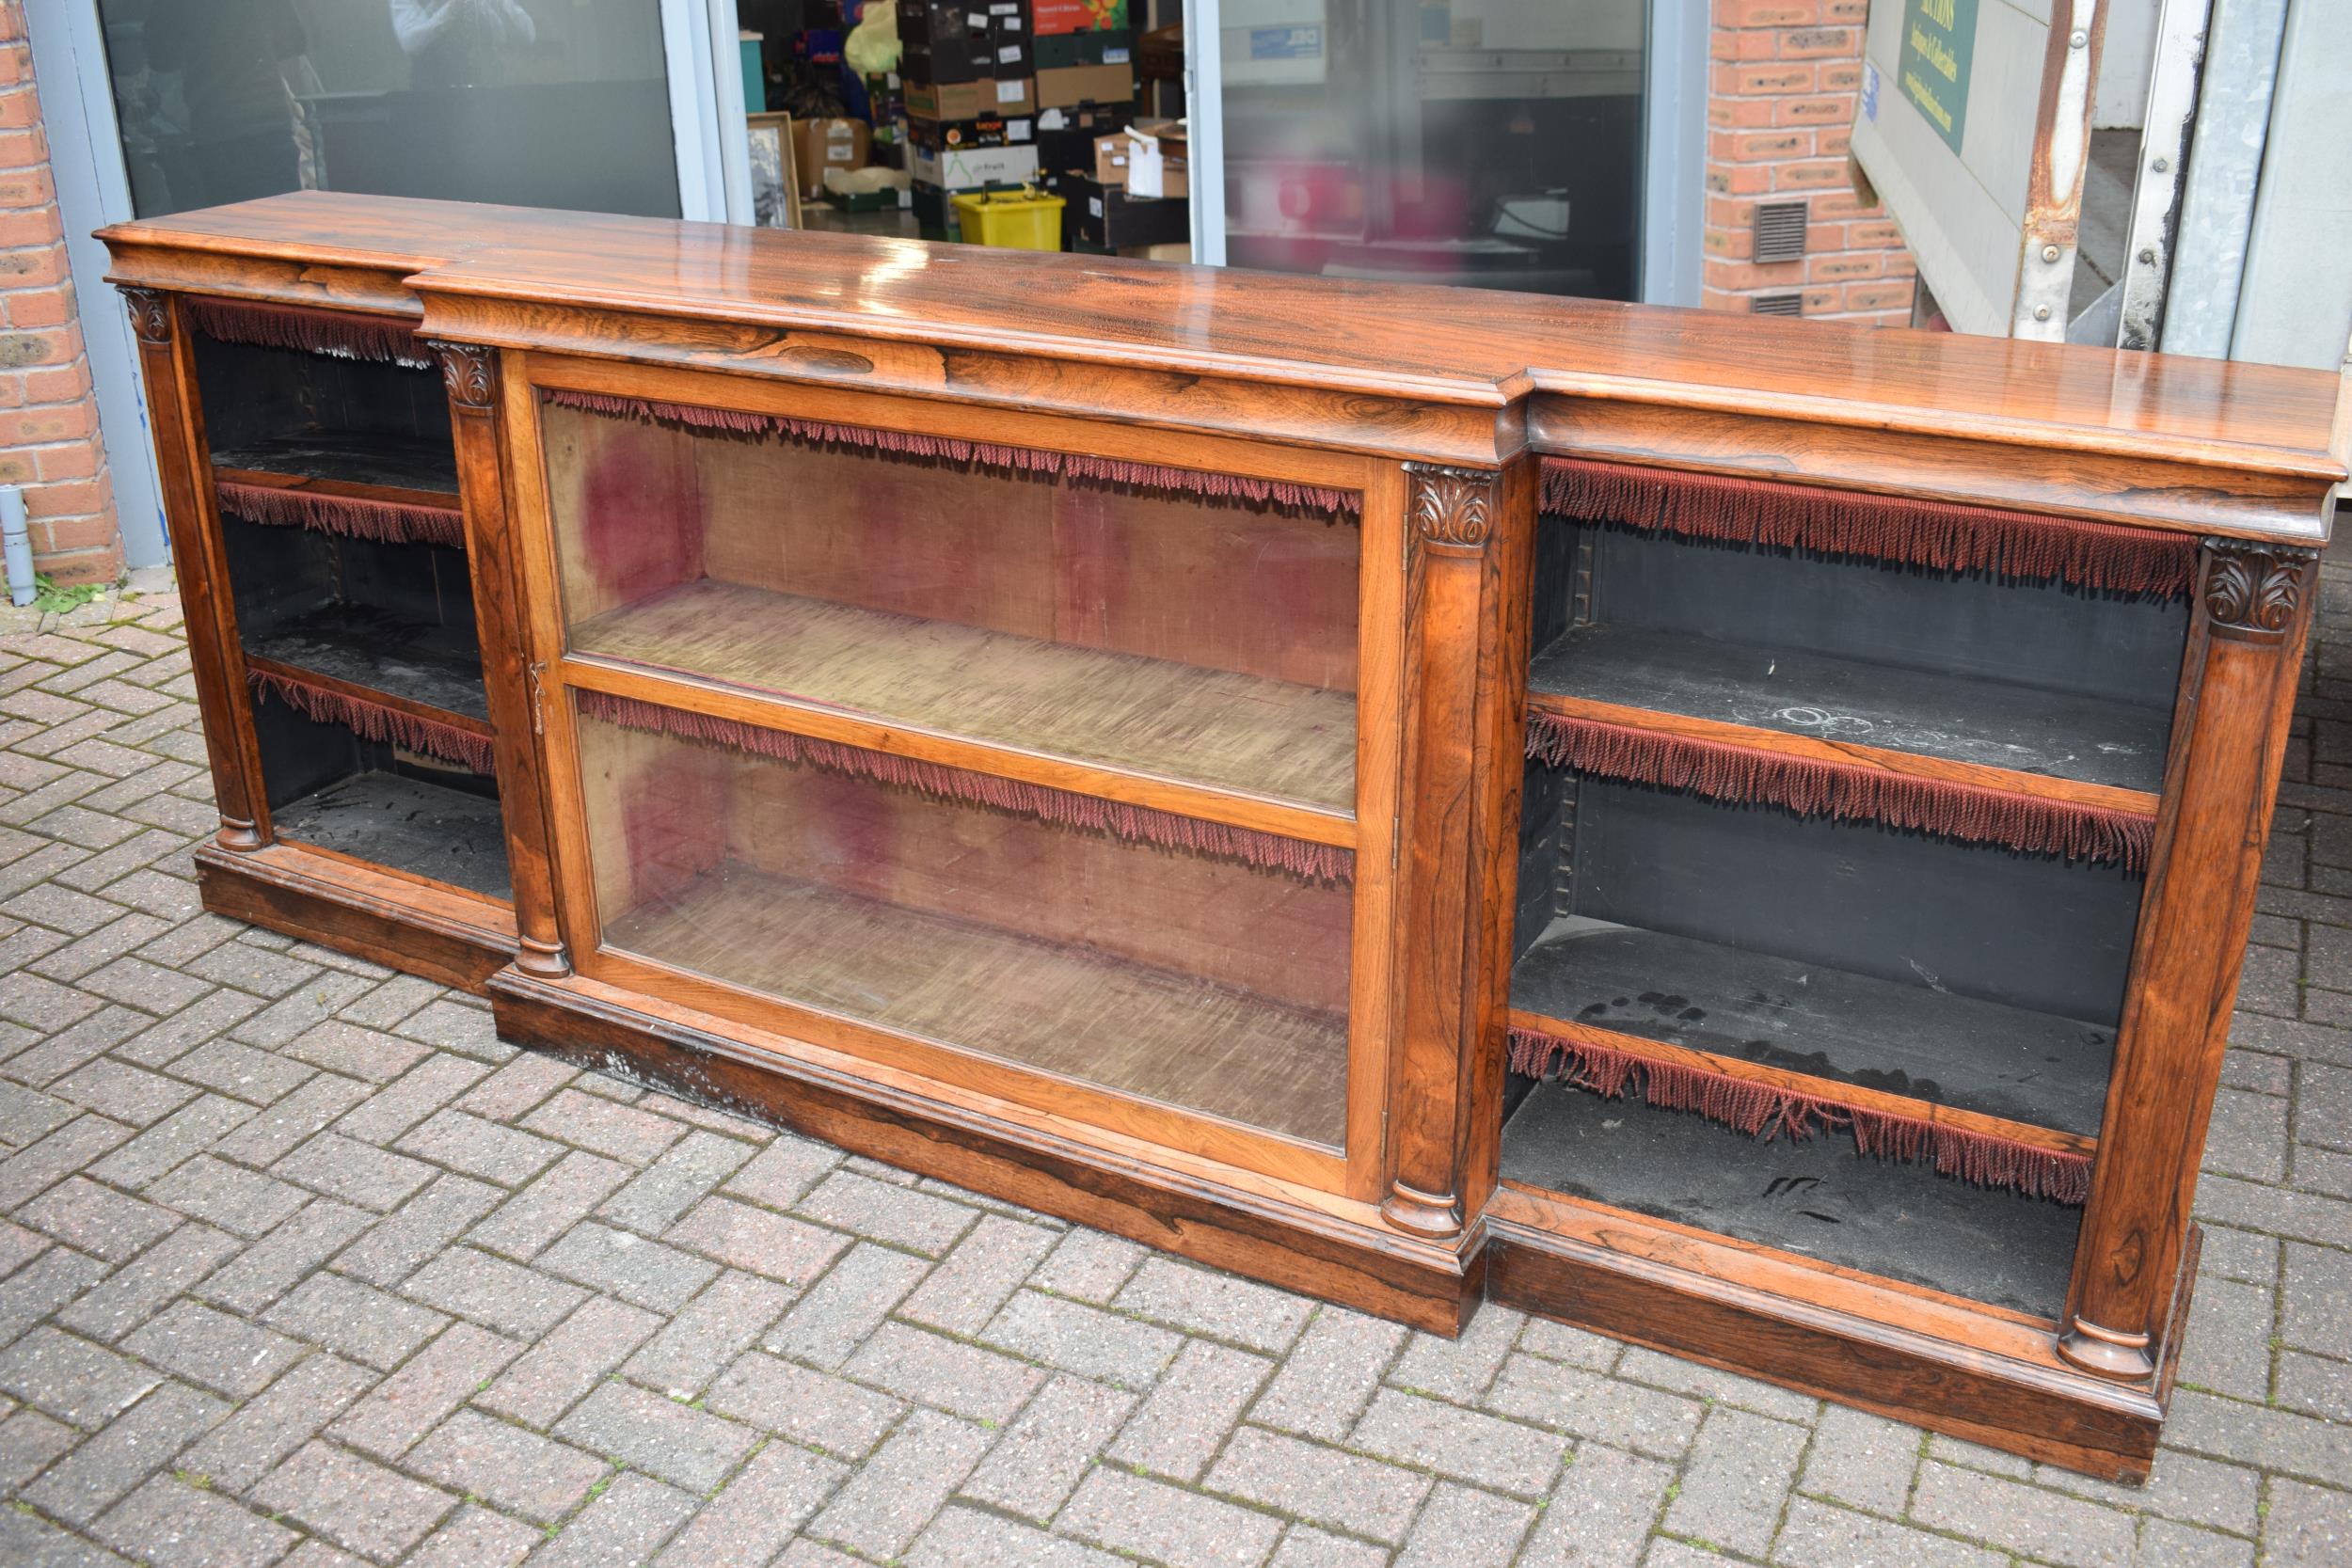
point(1207, 640)
point(1904, 995)
point(1816, 1197)
point(927, 905)
point(333, 788)
point(2032, 712)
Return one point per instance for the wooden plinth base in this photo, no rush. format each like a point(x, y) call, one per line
point(1958, 1366)
point(1293, 1237)
point(427, 929)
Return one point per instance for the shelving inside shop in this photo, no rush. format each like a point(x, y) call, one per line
point(1025, 101)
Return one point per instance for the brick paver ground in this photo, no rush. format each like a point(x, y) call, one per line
point(300, 1265)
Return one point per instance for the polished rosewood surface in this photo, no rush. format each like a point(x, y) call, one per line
point(1442, 344)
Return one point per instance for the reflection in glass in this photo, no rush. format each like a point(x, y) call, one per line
point(1205, 639)
point(537, 103)
point(1495, 143)
point(956, 908)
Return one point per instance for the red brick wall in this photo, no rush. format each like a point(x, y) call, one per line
point(1784, 77)
point(48, 415)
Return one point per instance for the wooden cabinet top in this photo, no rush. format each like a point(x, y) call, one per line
point(1516, 367)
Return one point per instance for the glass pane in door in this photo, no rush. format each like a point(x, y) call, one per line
point(533, 103)
point(1113, 946)
point(1490, 143)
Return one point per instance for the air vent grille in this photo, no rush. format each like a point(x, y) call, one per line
point(1780, 230)
point(1776, 304)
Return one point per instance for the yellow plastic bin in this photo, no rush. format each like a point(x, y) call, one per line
point(1011, 220)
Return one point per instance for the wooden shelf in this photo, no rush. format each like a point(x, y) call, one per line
point(1872, 1044)
point(399, 470)
point(380, 655)
point(1817, 1198)
point(1960, 729)
point(1019, 697)
point(1081, 1012)
point(409, 824)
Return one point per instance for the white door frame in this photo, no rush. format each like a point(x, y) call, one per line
point(1673, 143)
point(94, 189)
point(77, 108)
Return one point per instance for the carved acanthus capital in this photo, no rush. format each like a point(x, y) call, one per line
point(1452, 508)
point(2254, 593)
point(151, 314)
point(466, 371)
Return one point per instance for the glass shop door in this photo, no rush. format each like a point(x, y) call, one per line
point(1486, 143)
point(537, 103)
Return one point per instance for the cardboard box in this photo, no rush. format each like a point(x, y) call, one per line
point(934, 211)
point(1156, 159)
point(1066, 137)
point(1011, 51)
point(946, 100)
point(937, 135)
point(818, 145)
point(945, 43)
point(1103, 218)
point(1080, 16)
point(1056, 51)
point(973, 169)
point(1085, 83)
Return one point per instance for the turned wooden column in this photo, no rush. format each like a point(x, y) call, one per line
point(183, 463)
point(511, 681)
point(2237, 696)
point(1467, 537)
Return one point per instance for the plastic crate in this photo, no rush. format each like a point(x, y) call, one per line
point(1011, 220)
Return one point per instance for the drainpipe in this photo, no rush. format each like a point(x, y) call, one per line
point(19, 546)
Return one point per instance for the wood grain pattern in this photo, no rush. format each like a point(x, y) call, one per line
point(471, 377)
point(1856, 1095)
point(1260, 1227)
point(2237, 700)
point(184, 464)
point(2039, 786)
point(1387, 343)
point(1469, 540)
point(443, 933)
point(1953, 1365)
point(391, 495)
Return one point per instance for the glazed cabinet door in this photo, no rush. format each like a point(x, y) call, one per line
point(1024, 756)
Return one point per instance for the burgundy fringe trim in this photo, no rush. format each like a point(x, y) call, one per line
point(988, 454)
point(378, 721)
point(1141, 824)
point(344, 334)
point(1847, 793)
point(387, 522)
point(1764, 1112)
point(1940, 534)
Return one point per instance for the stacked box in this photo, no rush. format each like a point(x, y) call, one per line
point(1066, 137)
point(1102, 219)
point(968, 72)
point(940, 135)
point(1093, 46)
point(1085, 53)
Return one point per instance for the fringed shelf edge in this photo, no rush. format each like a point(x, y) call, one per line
point(379, 721)
point(1941, 534)
point(1765, 1111)
point(988, 454)
point(1844, 792)
point(354, 516)
point(341, 334)
point(1139, 824)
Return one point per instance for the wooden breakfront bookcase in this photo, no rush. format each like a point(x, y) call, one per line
point(1733, 832)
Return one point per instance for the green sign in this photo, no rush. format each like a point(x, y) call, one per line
point(1939, 35)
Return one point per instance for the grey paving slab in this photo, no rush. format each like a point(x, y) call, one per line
point(300, 1267)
